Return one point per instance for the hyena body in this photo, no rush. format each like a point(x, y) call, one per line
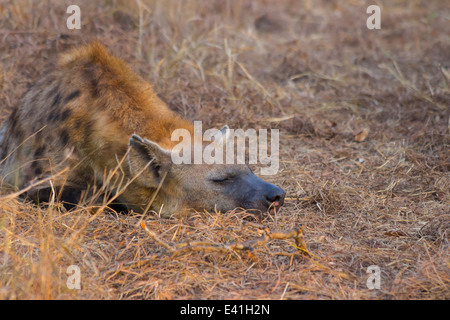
point(74, 125)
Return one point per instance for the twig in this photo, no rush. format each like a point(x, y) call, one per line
point(178, 248)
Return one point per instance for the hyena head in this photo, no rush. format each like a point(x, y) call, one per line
point(211, 187)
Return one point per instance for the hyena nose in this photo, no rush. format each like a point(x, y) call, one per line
point(276, 196)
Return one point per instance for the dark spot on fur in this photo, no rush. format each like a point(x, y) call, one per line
point(56, 100)
point(78, 124)
point(66, 113)
point(39, 152)
point(91, 74)
point(73, 95)
point(94, 88)
point(13, 119)
point(64, 137)
point(53, 116)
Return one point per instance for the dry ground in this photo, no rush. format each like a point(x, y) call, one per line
point(364, 126)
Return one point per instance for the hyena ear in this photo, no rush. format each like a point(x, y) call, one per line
point(148, 161)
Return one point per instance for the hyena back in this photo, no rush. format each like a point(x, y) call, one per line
point(85, 119)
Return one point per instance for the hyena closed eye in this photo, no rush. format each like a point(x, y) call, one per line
point(92, 115)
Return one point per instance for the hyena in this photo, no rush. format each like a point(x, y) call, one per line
point(91, 116)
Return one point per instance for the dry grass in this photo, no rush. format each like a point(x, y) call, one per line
point(309, 68)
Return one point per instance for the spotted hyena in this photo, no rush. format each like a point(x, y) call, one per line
point(93, 125)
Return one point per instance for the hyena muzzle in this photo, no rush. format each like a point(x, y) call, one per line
point(77, 131)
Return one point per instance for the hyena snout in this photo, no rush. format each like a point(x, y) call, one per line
point(262, 195)
point(275, 195)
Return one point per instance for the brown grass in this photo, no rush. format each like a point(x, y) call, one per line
point(364, 123)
